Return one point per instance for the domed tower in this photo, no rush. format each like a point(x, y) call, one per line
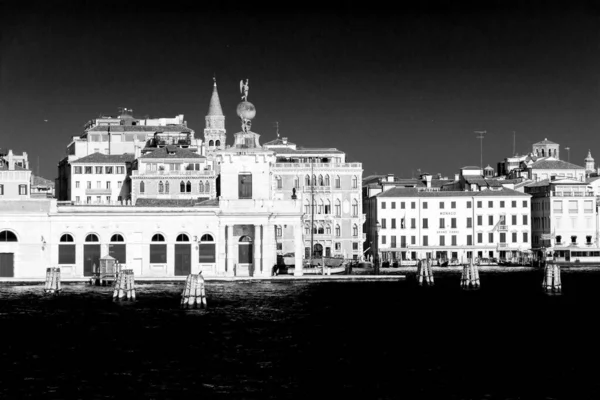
point(589, 163)
point(214, 132)
point(488, 172)
point(546, 148)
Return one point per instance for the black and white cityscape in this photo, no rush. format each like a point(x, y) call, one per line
point(262, 201)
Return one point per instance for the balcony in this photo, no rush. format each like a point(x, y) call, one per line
point(503, 228)
point(318, 165)
point(502, 245)
point(571, 194)
point(97, 192)
point(174, 173)
point(316, 189)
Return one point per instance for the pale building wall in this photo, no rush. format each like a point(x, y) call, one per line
point(11, 180)
point(256, 163)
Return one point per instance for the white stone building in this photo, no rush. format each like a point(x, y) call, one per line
point(15, 176)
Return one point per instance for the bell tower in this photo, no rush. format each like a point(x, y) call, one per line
point(589, 163)
point(214, 131)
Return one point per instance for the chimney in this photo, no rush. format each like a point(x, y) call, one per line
point(456, 177)
point(427, 180)
point(390, 178)
point(11, 161)
point(284, 140)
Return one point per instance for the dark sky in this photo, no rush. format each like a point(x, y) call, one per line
point(399, 89)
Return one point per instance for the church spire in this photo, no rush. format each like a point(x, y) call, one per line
point(214, 109)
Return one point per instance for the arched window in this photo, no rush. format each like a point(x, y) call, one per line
point(279, 182)
point(320, 209)
point(315, 229)
point(8, 236)
point(355, 230)
point(321, 230)
point(218, 143)
point(211, 143)
point(320, 180)
point(142, 187)
point(327, 180)
point(338, 208)
point(307, 229)
point(207, 187)
point(66, 252)
point(338, 182)
point(158, 237)
point(201, 187)
point(117, 238)
point(328, 207)
point(182, 187)
point(182, 237)
point(278, 231)
point(167, 187)
point(188, 187)
point(307, 207)
point(355, 208)
point(314, 180)
point(328, 229)
point(161, 187)
point(355, 182)
point(307, 180)
point(66, 238)
point(338, 231)
point(207, 249)
point(92, 238)
point(158, 252)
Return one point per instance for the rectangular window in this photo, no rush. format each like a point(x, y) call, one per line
point(393, 223)
point(453, 240)
point(22, 189)
point(120, 170)
point(393, 205)
point(77, 170)
point(469, 222)
point(525, 238)
point(245, 186)
point(413, 223)
point(393, 244)
point(425, 240)
point(99, 170)
point(413, 240)
point(514, 220)
point(557, 206)
point(402, 241)
point(66, 254)
point(514, 237)
point(383, 239)
point(480, 220)
point(588, 206)
point(108, 184)
point(469, 240)
point(107, 199)
point(425, 205)
point(98, 200)
point(524, 203)
point(441, 205)
point(77, 199)
point(442, 240)
point(425, 223)
point(383, 205)
point(412, 205)
point(77, 184)
point(453, 204)
point(479, 204)
point(88, 170)
point(502, 237)
point(109, 170)
point(514, 204)
point(98, 185)
point(402, 205)
point(480, 237)
point(158, 253)
point(491, 237)
point(525, 220)
point(442, 223)
point(383, 223)
point(491, 204)
point(88, 199)
point(119, 183)
point(490, 220)
point(468, 204)
point(453, 223)
point(573, 207)
point(89, 184)
point(501, 203)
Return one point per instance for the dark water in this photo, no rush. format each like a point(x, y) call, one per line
point(280, 340)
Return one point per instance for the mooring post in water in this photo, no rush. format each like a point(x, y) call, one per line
point(470, 276)
point(52, 284)
point(430, 271)
point(552, 282)
point(194, 293)
point(425, 272)
point(124, 285)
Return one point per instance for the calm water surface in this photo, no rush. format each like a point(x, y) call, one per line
point(280, 340)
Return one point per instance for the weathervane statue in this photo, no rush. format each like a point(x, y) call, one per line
point(245, 110)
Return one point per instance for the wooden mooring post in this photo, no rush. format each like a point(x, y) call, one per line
point(124, 285)
point(551, 282)
point(52, 284)
point(425, 272)
point(470, 276)
point(194, 293)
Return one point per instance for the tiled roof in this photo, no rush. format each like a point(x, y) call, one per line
point(39, 181)
point(140, 128)
point(538, 183)
point(179, 153)
point(553, 163)
point(545, 141)
point(278, 142)
point(99, 158)
point(200, 201)
point(413, 192)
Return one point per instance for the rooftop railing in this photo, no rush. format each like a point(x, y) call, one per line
point(318, 165)
point(173, 173)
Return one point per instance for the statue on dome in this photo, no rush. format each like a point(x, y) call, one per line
point(244, 87)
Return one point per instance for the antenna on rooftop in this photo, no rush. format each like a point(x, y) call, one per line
point(481, 133)
point(276, 125)
point(514, 142)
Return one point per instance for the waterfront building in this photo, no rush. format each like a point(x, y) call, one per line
point(329, 188)
point(564, 216)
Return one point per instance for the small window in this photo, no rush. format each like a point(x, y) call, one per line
point(7, 236)
point(142, 187)
point(117, 238)
point(182, 237)
point(66, 238)
point(92, 238)
point(158, 238)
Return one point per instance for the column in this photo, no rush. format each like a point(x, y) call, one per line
point(221, 265)
point(269, 249)
point(298, 249)
point(257, 250)
point(230, 251)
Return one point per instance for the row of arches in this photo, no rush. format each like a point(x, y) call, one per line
point(325, 229)
point(212, 143)
point(320, 180)
point(184, 187)
point(118, 238)
point(324, 207)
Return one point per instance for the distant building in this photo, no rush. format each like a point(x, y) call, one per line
point(15, 176)
point(41, 187)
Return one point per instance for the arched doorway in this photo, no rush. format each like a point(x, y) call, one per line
point(245, 250)
point(183, 255)
point(91, 254)
point(117, 248)
point(318, 250)
point(7, 263)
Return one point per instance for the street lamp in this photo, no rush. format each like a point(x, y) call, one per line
point(376, 266)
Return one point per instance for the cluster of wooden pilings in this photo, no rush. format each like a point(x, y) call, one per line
point(52, 281)
point(470, 276)
point(194, 294)
point(124, 285)
point(551, 282)
point(425, 272)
